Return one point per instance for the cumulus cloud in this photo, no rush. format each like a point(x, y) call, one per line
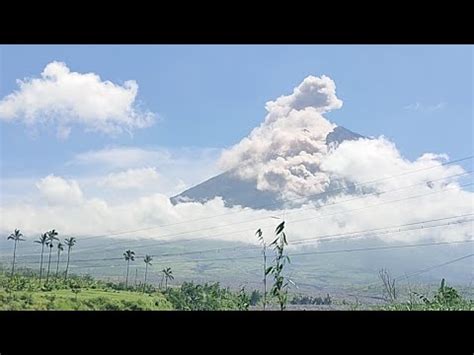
point(172, 166)
point(88, 216)
point(366, 160)
point(59, 191)
point(65, 98)
point(132, 179)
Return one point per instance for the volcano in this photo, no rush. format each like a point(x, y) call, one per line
point(236, 191)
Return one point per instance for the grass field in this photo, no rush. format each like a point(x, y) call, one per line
point(86, 299)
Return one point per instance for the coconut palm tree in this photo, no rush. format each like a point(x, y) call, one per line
point(167, 275)
point(43, 239)
point(70, 243)
point(16, 237)
point(51, 238)
point(60, 249)
point(148, 259)
point(129, 256)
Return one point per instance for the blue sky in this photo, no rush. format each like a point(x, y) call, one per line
point(420, 97)
point(81, 151)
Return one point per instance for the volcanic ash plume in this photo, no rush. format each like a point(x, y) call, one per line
point(284, 153)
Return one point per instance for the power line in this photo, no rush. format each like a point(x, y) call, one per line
point(351, 250)
point(343, 251)
point(321, 238)
point(325, 238)
point(299, 210)
point(273, 203)
point(336, 237)
point(419, 272)
point(401, 246)
point(311, 207)
point(433, 267)
point(320, 252)
point(293, 221)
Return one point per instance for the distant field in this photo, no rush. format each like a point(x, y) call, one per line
point(350, 277)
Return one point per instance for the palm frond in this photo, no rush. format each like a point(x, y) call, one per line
point(280, 228)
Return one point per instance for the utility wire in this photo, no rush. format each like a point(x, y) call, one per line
point(297, 211)
point(274, 203)
point(322, 238)
point(292, 221)
point(402, 246)
point(308, 208)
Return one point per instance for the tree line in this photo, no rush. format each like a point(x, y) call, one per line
point(49, 240)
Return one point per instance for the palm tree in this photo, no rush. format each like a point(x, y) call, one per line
point(43, 239)
point(148, 259)
point(167, 275)
point(16, 237)
point(70, 243)
point(60, 249)
point(128, 255)
point(259, 235)
point(51, 238)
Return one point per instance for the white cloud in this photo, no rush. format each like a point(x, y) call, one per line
point(355, 161)
point(373, 159)
point(65, 98)
point(104, 173)
point(59, 191)
point(122, 157)
point(172, 165)
point(95, 216)
point(417, 106)
point(132, 179)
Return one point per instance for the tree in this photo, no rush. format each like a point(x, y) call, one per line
point(70, 242)
point(259, 235)
point(51, 238)
point(280, 285)
point(60, 249)
point(389, 285)
point(16, 237)
point(167, 275)
point(129, 256)
point(43, 239)
point(148, 259)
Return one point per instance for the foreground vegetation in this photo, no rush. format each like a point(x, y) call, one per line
point(29, 289)
point(445, 299)
point(25, 291)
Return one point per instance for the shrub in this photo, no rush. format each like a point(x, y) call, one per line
point(446, 299)
point(208, 297)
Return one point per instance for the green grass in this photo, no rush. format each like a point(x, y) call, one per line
point(24, 291)
point(86, 299)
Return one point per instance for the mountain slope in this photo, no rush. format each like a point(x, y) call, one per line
point(236, 191)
